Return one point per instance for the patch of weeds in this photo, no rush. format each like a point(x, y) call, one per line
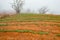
point(17, 24)
point(36, 24)
point(2, 30)
point(16, 31)
point(43, 24)
point(58, 35)
point(51, 24)
point(25, 31)
point(22, 24)
point(3, 24)
point(41, 32)
point(58, 25)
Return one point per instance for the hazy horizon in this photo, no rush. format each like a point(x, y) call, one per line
point(52, 5)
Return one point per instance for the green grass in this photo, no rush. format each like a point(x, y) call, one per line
point(32, 17)
point(58, 35)
point(42, 32)
point(26, 31)
point(3, 24)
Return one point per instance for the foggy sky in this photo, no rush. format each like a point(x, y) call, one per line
point(53, 5)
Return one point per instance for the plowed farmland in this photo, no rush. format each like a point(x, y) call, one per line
point(30, 27)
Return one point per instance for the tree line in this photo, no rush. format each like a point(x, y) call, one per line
point(17, 5)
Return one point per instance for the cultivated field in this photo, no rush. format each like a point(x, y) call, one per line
point(30, 27)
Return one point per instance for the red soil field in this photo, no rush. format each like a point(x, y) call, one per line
point(52, 27)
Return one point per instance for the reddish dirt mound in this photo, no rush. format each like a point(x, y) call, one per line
point(52, 27)
point(26, 36)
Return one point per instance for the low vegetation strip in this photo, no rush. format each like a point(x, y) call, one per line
point(3, 24)
point(58, 35)
point(26, 31)
point(32, 17)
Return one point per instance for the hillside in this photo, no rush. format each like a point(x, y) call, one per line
point(30, 27)
point(31, 17)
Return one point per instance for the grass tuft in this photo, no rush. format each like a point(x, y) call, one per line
point(25, 31)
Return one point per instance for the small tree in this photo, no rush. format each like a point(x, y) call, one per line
point(17, 5)
point(43, 10)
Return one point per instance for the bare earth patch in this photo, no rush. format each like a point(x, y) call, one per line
point(52, 27)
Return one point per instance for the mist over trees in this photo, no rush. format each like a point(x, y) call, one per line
point(17, 5)
point(43, 10)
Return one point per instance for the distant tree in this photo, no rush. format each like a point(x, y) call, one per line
point(17, 5)
point(28, 10)
point(43, 10)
